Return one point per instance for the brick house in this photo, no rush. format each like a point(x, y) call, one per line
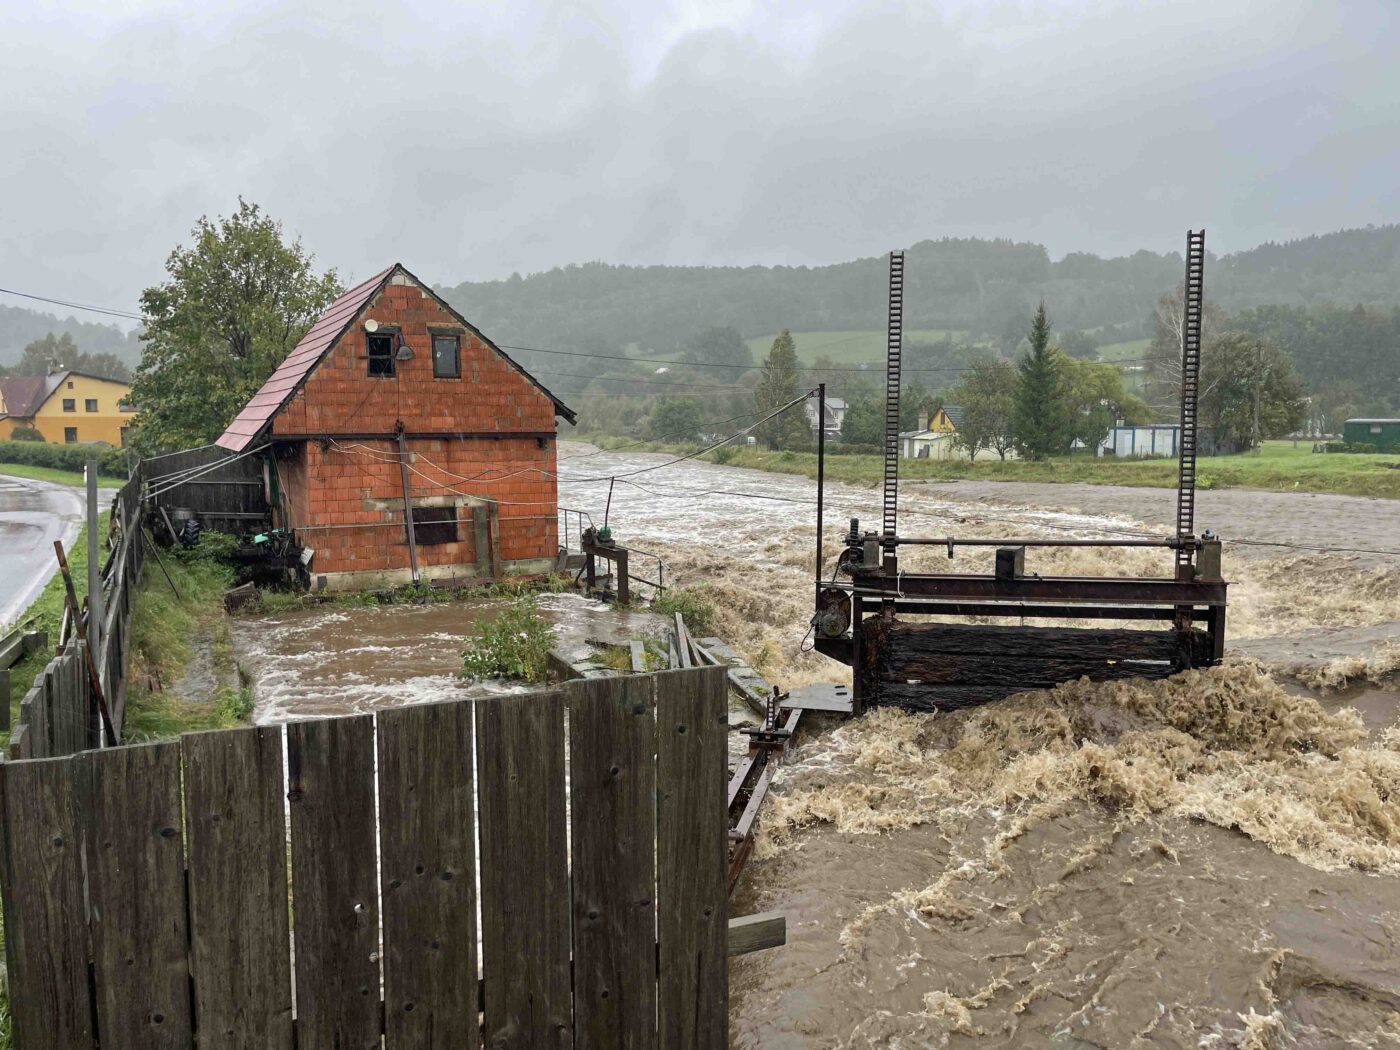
point(390, 396)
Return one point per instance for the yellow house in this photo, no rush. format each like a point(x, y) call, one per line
point(66, 407)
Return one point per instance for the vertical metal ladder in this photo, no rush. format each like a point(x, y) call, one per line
point(1190, 391)
point(894, 345)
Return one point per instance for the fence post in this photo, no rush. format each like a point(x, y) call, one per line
point(94, 566)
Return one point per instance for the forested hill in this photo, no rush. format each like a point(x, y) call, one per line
point(977, 286)
point(20, 326)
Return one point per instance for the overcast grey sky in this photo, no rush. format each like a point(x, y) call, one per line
point(470, 140)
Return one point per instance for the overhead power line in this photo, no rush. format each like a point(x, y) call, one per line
point(75, 306)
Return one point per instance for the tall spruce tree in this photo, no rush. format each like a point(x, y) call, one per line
point(779, 385)
point(1038, 416)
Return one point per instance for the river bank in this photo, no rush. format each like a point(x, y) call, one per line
point(1279, 466)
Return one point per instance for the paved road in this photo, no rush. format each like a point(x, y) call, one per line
point(32, 515)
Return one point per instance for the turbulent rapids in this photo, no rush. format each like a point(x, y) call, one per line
point(1211, 860)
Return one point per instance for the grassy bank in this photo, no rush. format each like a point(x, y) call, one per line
point(58, 477)
point(1278, 467)
point(165, 636)
point(168, 633)
point(46, 614)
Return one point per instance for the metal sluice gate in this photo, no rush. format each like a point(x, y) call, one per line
point(884, 622)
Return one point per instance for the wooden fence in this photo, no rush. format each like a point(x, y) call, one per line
point(59, 715)
point(149, 901)
point(225, 492)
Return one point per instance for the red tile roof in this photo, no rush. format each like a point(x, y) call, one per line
point(319, 338)
point(273, 394)
point(23, 395)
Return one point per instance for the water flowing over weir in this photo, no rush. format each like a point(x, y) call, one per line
point(1202, 861)
point(1095, 869)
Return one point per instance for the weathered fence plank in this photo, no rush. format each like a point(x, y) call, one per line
point(239, 932)
point(690, 844)
point(612, 794)
point(428, 877)
point(524, 871)
point(129, 802)
point(46, 942)
point(116, 938)
point(330, 776)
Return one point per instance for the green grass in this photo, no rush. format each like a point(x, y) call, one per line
point(693, 604)
point(46, 614)
point(163, 633)
point(846, 348)
point(1133, 350)
point(60, 477)
point(1277, 467)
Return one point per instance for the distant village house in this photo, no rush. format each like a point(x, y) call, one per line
point(394, 398)
point(66, 407)
point(835, 415)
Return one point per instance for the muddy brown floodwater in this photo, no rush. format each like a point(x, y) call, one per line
point(1210, 861)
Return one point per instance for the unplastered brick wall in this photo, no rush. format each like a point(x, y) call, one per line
point(340, 396)
point(354, 499)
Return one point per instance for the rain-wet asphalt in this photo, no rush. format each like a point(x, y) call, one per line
point(32, 515)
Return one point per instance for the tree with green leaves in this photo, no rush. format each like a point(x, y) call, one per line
point(1038, 417)
point(675, 419)
point(987, 397)
point(235, 303)
point(1249, 392)
point(718, 346)
point(1095, 400)
point(55, 352)
point(779, 385)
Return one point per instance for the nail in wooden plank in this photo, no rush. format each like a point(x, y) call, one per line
point(239, 932)
point(427, 841)
point(330, 776)
point(612, 792)
point(524, 871)
point(692, 826)
point(129, 801)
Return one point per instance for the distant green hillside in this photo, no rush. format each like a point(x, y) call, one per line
point(986, 288)
point(847, 348)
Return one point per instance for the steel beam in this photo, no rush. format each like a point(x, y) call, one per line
point(1086, 589)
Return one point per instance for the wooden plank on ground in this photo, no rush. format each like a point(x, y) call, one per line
point(427, 842)
point(130, 813)
point(636, 649)
point(524, 871)
point(753, 933)
point(239, 933)
point(612, 793)
point(46, 937)
point(330, 777)
point(692, 825)
point(683, 642)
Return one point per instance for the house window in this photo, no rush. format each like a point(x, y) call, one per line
point(70, 405)
point(1375, 428)
point(70, 384)
point(122, 436)
point(90, 404)
point(432, 525)
point(381, 354)
point(70, 435)
point(447, 356)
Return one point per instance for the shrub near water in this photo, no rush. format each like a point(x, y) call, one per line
point(515, 644)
